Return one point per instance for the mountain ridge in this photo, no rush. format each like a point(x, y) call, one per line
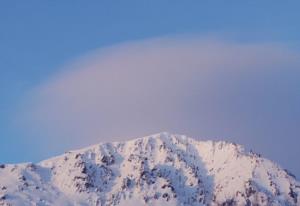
point(160, 169)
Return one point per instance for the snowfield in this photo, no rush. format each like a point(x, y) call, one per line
point(160, 169)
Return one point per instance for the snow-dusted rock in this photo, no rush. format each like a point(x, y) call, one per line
point(161, 169)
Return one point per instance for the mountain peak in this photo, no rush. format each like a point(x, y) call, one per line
point(160, 169)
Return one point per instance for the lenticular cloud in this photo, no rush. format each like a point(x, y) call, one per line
point(200, 86)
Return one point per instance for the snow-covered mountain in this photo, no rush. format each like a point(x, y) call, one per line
point(161, 169)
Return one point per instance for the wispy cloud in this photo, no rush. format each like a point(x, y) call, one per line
point(201, 87)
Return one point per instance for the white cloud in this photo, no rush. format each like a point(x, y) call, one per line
point(200, 87)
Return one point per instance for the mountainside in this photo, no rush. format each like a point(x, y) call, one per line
point(161, 169)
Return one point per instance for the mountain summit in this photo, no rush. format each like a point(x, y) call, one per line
point(161, 169)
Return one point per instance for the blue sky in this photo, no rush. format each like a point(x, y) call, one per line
point(37, 40)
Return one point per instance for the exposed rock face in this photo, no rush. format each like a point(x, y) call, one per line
point(161, 169)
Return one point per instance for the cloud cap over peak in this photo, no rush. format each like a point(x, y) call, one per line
point(199, 87)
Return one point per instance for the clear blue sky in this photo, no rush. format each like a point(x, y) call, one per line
point(37, 37)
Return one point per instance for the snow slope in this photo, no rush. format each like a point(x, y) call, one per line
point(161, 169)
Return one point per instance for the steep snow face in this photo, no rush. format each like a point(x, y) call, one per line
point(161, 169)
